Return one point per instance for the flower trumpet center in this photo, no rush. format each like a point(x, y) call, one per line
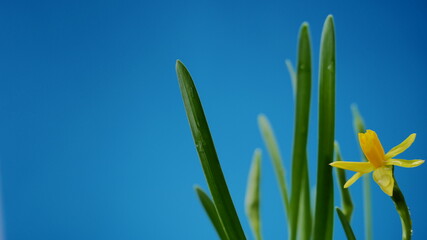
point(372, 148)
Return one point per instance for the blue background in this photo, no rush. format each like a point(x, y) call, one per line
point(94, 140)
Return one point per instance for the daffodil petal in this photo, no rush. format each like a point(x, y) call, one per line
point(352, 179)
point(405, 163)
point(384, 177)
point(401, 147)
point(363, 167)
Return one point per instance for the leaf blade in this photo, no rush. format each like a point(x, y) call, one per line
point(324, 194)
point(207, 154)
point(275, 155)
point(292, 75)
point(345, 225)
point(300, 181)
point(252, 198)
point(212, 213)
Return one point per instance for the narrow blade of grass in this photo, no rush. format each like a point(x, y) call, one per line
point(323, 224)
point(252, 200)
point(293, 76)
point(300, 181)
point(273, 149)
point(359, 127)
point(345, 225)
point(207, 154)
point(210, 209)
point(346, 202)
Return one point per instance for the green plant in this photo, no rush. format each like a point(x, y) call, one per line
point(302, 224)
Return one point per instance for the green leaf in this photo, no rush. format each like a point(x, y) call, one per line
point(273, 149)
point(293, 76)
point(212, 213)
point(207, 154)
point(323, 224)
point(358, 122)
point(345, 225)
point(346, 202)
point(305, 214)
point(252, 200)
point(300, 181)
point(359, 127)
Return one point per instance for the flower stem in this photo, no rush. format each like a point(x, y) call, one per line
point(402, 209)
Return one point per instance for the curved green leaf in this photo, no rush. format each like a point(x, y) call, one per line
point(273, 149)
point(207, 154)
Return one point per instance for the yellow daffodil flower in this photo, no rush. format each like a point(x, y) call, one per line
point(378, 161)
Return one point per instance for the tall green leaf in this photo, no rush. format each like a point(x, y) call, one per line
point(305, 220)
point(359, 127)
point(207, 154)
point(300, 181)
point(212, 213)
point(252, 200)
point(346, 202)
point(323, 224)
point(345, 225)
point(273, 149)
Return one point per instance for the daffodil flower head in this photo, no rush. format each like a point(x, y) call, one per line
point(378, 161)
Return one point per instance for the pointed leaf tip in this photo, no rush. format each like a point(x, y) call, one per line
point(304, 25)
point(178, 64)
point(261, 118)
point(196, 187)
point(304, 29)
point(329, 22)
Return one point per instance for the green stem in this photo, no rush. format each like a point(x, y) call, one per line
point(346, 202)
point(359, 127)
point(367, 206)
point(402, 209)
